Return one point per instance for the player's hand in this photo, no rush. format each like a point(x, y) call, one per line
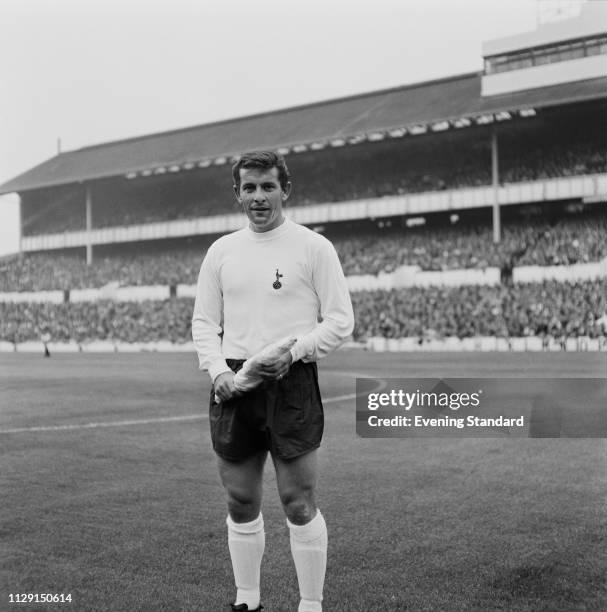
point(277, 368)
point(224, 386)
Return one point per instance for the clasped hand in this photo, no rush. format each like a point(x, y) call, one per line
point(268, 369)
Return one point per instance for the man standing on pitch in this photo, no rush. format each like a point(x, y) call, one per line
point(273, 280)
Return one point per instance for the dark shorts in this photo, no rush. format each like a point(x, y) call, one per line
point(284, 417)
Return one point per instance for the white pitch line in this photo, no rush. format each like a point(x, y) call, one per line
point(339, 398)
point(349, 396)
point(186, 417)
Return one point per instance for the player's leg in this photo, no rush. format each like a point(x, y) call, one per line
point(242, 481)
point(296, 479)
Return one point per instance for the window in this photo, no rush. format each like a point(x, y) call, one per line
point(514, 64)
point(526, 60)
point(541, 57)
point(501, 64)
point(575, 51)
point(593, 47)
point(546, 55)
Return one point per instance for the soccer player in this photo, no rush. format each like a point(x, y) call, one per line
point(273, 280)
point(45, 337)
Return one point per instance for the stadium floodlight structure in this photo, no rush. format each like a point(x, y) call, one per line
point(460, 111)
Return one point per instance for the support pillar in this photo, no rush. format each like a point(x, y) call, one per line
point(497, 227)
point(89, 224)
point(20, 206)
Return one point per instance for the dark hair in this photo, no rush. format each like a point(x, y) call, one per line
point(262, 160)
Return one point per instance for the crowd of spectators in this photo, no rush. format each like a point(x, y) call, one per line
point(549, 308)
point(432, 163)
point(549, 158)
point(569, 240)
point(546, 309)
point(45, 271)
point(54, 210)
point(566, 243)
point(445, 248)
point(148, 321)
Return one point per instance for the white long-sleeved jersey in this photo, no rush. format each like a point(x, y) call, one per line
point(256, 288)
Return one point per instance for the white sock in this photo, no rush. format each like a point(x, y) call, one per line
point(246, 542)
point(309, 550)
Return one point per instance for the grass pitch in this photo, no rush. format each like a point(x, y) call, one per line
point(110, 493)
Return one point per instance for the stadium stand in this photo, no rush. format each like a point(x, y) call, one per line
point(386, 169)
point(402, 181)
point(364, 249)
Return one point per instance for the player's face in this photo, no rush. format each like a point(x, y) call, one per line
point(262, 198)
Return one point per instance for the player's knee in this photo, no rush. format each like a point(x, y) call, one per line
point(243, 507)
point(299, 506)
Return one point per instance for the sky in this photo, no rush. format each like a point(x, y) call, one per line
point(101, 70)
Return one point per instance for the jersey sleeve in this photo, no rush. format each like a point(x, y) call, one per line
point(207, 318)
point(335, 307)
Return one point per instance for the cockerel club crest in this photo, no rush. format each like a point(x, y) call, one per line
point(277, 284)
